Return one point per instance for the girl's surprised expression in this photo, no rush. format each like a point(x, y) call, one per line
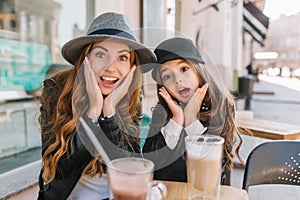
point(180, 79)
point(111, 62)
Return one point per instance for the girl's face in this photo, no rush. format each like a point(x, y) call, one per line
point(111, 63)
point(180, 79)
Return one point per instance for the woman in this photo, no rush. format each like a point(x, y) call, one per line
point(190, 102)
point(104, 89)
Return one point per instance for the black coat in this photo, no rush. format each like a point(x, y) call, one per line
point(77, 156)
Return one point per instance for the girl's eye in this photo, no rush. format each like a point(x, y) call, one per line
point(100, 55)
point(123, 58)
point(166, 77)
point(184, 68)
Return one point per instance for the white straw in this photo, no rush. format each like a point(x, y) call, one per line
point(95, 141)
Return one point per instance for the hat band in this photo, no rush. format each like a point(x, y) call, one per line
point(111, 31)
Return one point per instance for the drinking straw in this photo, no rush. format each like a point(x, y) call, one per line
point(95, 142)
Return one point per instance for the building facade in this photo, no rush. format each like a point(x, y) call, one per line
point(283, 38)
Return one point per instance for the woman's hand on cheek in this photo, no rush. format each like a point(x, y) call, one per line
point(193, 107)
point(175, 108)
point(117, 94)
point(93, 91)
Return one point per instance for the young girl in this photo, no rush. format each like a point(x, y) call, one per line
point(104, 88)
point(190, 101)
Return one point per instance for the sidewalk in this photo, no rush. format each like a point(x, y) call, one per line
point(283, 106)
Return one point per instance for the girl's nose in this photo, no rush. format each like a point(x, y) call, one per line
point(178, 79)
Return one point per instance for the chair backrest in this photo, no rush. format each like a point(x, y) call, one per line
point(274, 162)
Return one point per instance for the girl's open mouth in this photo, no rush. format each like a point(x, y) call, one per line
point(184, 92)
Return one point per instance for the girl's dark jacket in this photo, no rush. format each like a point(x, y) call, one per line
point(170, 164)
point(77, 157)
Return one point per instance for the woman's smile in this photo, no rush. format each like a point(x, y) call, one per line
point(108, 81)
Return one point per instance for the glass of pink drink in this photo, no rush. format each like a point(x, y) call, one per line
point(131, 178)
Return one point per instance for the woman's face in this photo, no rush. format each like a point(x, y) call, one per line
point(180, 79)
point(111, 63)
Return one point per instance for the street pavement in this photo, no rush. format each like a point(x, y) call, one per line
point(281, 106)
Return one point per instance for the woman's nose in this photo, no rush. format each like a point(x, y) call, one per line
point(111, 64)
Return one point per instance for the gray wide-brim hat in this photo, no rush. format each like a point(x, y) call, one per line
point(110, 26)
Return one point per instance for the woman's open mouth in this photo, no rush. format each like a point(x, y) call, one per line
point(108, 81)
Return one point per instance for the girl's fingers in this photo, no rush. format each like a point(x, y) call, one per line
point(165, 95)
point(200, 93)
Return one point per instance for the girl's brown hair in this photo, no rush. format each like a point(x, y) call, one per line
point(219, 115)
point(72, 103)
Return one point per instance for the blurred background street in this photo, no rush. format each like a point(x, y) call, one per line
point(277, 99)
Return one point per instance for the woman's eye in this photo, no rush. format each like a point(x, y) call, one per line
point(100, 55)
point(123, 58)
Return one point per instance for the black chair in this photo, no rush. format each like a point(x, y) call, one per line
point(274, 162)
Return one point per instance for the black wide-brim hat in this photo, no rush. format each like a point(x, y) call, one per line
point(176, 48)
point(114, 27)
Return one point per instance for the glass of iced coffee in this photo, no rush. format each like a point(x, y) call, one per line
point(204, 161)
point(131, 178)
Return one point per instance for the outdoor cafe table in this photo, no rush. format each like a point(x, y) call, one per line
point(182, 191)
point(269, 129)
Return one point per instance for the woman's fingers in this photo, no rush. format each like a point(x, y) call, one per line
point(117, 94)
point(124, 86)
point(93, 91)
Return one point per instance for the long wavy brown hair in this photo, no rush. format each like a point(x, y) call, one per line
point(73, 102)
point(219, 115)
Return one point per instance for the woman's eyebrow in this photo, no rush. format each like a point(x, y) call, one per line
point(100, 47)
point(105, 49)
point(124, 51)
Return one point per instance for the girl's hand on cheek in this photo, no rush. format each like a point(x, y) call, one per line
point(117, 94)
point(175, 108)
point(93, 91)
point(193, 107)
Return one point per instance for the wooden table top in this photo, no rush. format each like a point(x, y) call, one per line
point(182, 191)
point(269, 129)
